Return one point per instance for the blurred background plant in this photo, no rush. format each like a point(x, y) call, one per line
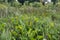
point(29, 22)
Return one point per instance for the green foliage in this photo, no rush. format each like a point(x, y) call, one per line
point(5, 35)
point(30, 22)
point(3, 10)
point(15, 4)
point(35, 4)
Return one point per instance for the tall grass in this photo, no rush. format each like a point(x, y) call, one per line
point(30, 22)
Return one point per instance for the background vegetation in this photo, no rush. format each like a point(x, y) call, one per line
point(29, 22)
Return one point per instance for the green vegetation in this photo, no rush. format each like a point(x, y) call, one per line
point(29, 22)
